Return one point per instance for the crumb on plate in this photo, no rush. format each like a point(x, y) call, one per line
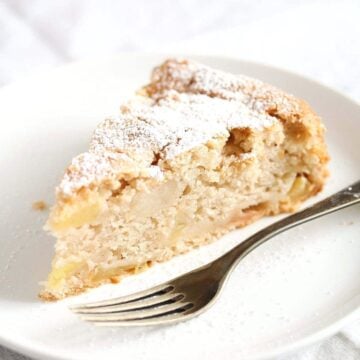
point(39, 205)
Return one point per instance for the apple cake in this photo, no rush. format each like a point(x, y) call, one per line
point(194, 154)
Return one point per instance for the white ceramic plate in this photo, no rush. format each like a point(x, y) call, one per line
point(294, 290)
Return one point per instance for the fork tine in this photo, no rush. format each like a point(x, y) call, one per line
point(151, 321)
point(139, 314)
point(160, 289)
point(133, 305)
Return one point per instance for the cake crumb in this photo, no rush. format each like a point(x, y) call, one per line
point(39, 205)
point(115, 280)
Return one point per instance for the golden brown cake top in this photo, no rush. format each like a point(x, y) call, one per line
point(185, 105)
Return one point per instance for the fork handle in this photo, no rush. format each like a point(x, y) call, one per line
point(340, 200)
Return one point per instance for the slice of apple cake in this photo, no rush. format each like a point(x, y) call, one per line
point(195, 154)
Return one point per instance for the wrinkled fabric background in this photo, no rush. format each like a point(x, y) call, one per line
point(319, 39)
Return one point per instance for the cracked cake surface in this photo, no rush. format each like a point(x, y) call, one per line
point(185, 104)
point(194, 154)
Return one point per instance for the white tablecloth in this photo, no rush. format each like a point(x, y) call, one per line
point(320, 39)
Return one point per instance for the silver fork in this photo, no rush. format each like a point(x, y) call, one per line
point(192, 293)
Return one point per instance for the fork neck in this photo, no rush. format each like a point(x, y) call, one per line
point(340, 200)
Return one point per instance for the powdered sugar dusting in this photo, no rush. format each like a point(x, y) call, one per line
point(186, 105)
point(84, 169)
point(185, 76)
point(172, 125)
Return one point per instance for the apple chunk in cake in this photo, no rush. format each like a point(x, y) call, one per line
point(195, 154)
